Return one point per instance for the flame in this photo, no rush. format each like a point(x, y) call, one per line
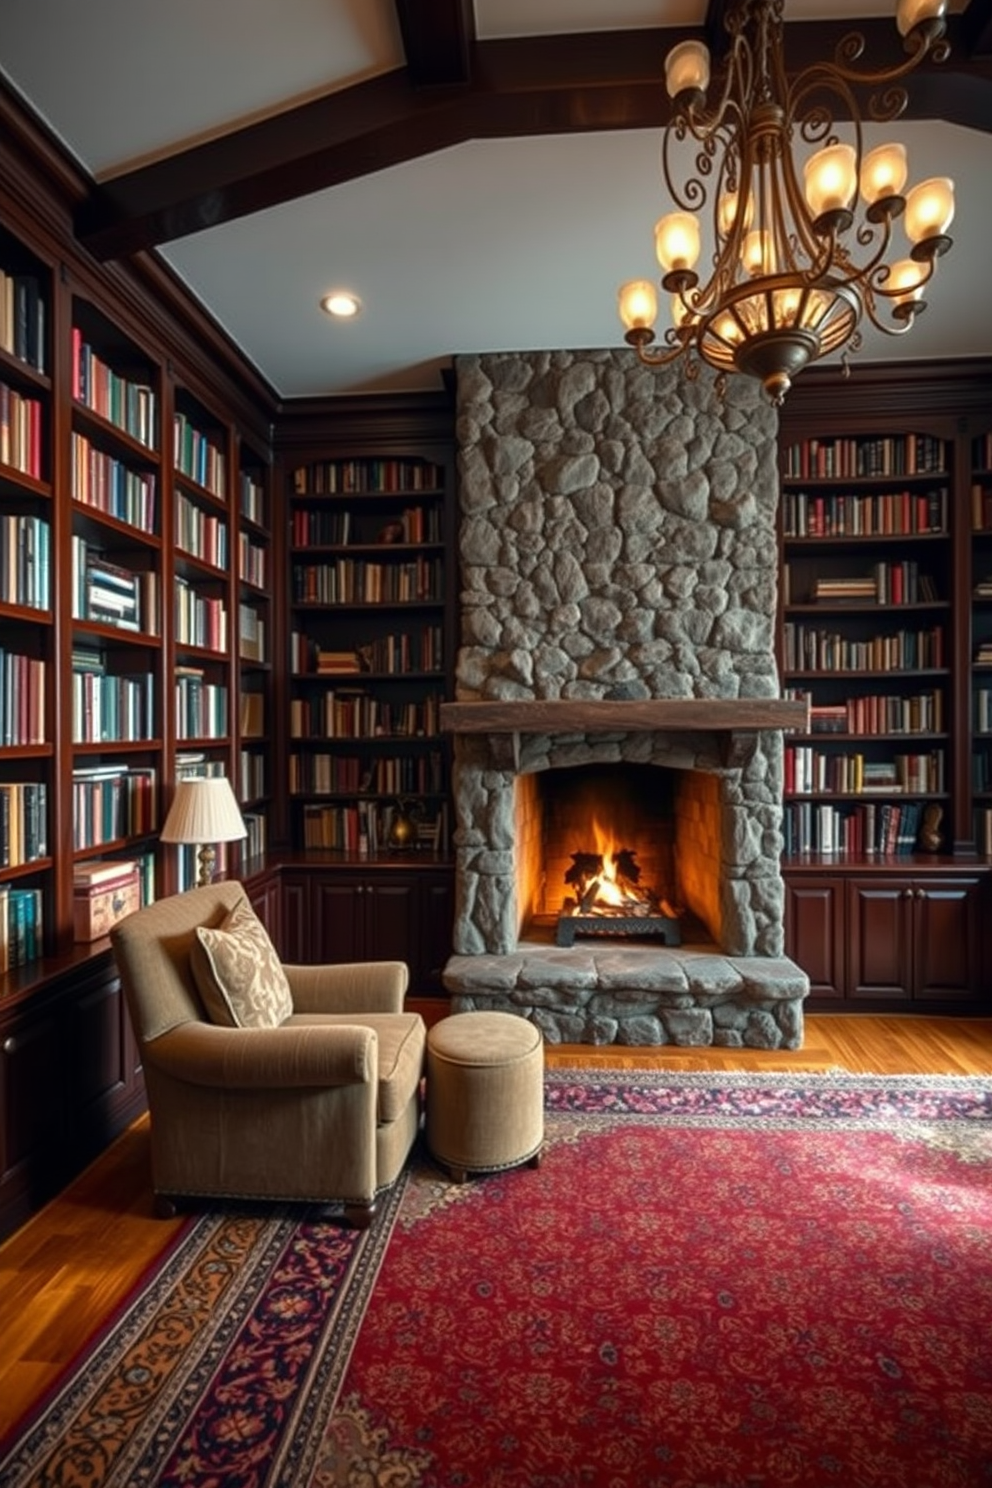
point(610, 891)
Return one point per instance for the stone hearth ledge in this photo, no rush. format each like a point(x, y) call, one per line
point(638, 995)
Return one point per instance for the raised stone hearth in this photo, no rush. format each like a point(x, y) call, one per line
point(601, 993)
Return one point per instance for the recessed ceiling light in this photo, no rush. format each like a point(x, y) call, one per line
point(341, 303)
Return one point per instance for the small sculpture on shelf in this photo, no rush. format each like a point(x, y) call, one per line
point(402, 833)
point(930, 838)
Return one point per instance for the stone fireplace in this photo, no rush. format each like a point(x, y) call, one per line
point(618, 570)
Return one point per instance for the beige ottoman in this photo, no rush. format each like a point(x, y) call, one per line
point(485, 1092)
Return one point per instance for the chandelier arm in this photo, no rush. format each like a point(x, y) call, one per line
point(918, 44)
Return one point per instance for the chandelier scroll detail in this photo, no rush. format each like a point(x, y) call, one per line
point(803, 250)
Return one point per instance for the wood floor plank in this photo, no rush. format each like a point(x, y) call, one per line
point(71, 1265)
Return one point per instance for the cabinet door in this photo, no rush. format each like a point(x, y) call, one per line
point(32, 1115)
point(880, 953)
point(814, 932)
point(437, 915)
point(293, 940)
point(947, 938)
point(264, 899)
point(391, 921)
point(338, 919)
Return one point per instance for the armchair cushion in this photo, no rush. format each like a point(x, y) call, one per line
point(238, 974)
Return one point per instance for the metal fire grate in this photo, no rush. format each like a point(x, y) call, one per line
point(569, 926)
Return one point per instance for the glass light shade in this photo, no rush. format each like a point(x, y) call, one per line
point(831, 179)
point(687, 66)
point(907, 276)
point(756, 253)
point(910, 13)
point(728, 328)
point(727, 211)
point(786, 305)
point(676, 241)
point(929, 209)
point(883, 172)
point(637, 302)
point(204, 810)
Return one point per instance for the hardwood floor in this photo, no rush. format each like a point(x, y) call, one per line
point(65, 1271)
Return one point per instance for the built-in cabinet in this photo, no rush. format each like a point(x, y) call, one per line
point(910, 938)
point(885, 629)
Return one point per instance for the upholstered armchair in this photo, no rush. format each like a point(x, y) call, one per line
point(266, 1081)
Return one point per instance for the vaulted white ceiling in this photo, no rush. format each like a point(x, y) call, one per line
point(484, 244)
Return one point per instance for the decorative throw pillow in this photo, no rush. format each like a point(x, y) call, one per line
point(238, 973)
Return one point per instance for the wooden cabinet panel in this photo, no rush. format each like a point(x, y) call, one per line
point(814, 933)
point(32, 1106)
point(293, 941)
point(880, 938)
point(437, 917)
point(947, 938)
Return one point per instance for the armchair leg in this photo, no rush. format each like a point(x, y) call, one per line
point(359, 1216)
point(164, 1206)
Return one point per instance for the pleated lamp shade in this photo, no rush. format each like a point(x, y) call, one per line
point(204, 812)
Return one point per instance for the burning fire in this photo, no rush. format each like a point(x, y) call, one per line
point(607, 882)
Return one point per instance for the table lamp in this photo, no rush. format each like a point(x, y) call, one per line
point(204, 812)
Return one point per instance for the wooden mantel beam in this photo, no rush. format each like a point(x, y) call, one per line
point(566, 715)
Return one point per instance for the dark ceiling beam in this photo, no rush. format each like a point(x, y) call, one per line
point(519, 87)
point(438, 36)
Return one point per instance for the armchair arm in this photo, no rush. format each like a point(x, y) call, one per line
point(362, 987)
point(266, 1058)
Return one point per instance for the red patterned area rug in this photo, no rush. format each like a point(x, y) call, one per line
point(712, 1281)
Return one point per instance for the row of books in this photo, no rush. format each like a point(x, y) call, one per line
point(356, 581)
point(334, 477)
point(809, 771)
point(23, 822)
point(23, 315)
point(251, 561)
point(252, 498)
point(22, 699)
point(317, 527)
point(865, 455)
point(101, 481)
point(983, 652)
point(25, 561)
point(110, 594)
point(109, 707)
point(358, 715)
point(22, 927)
point(332, 774)
point(251, 775)
point(127, 402)
point(982, 710)
point(885, 514)
point(877, 713)
point(20, 432)
point(201, 706)
point(256, 827)
point(113, 801)
point(251, 714)
point(981, 771)
point(981, 507)
point(809, 649)
point(887, 583)
point(201, 620)
point(873, 829)
point(251, 634)
point(981, 452)
point(390, 655)
point(200, 532)
point(364, 828)
point(196, 456)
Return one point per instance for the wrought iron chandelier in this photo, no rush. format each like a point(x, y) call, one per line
point(798, 260)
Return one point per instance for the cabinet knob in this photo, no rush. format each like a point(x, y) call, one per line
point(907, 893)
point(921, 893)
point(10, 1045)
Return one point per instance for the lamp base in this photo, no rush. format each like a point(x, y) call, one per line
point(207, 858)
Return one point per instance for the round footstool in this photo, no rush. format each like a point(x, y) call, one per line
point(485, 1092)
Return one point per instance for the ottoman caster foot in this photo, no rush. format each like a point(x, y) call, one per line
point(458, 1175)
point(535, 1161)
